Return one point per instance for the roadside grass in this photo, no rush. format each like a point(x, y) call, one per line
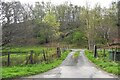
point(104, 62)
point(31, 69)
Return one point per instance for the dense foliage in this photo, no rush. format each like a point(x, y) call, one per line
point(44, 23)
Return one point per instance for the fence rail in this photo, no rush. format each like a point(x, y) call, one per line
point(6, 53)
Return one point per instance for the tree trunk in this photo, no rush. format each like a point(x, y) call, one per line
point(46, 40)
point(90, 44)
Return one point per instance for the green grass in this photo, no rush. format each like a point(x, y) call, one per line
point(23, 49)
point(104, 62)
point(76, 54)
point(31, 69)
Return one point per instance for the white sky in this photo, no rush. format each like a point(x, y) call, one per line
point(103, 3)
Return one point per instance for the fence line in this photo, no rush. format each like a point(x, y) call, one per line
point(30, 57)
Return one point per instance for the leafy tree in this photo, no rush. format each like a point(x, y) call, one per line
point(77, 38)
point(51, 20)
point(50, 27)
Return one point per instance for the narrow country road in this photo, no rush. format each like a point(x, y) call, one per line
point(70, 68)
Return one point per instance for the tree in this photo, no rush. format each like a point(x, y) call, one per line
point(118, 6)
point(87, 19)
point(51, 20)
point(39, 10)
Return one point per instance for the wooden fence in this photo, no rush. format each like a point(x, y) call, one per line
point(113, 52)
point(30, 57)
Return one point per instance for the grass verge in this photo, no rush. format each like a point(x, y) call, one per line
point(104, 63)
point(31, 69)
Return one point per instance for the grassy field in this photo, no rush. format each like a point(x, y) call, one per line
point(30, 69)
point(104, 62)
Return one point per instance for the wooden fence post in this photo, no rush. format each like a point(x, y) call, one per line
point(95, 51)
point(31, 57)
point(44, 56)
point(115, 53)
point(104, 53)
point(8, 58)
point(58, 52)
point(47, 56)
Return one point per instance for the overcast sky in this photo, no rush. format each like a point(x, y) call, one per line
point(103, 3)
